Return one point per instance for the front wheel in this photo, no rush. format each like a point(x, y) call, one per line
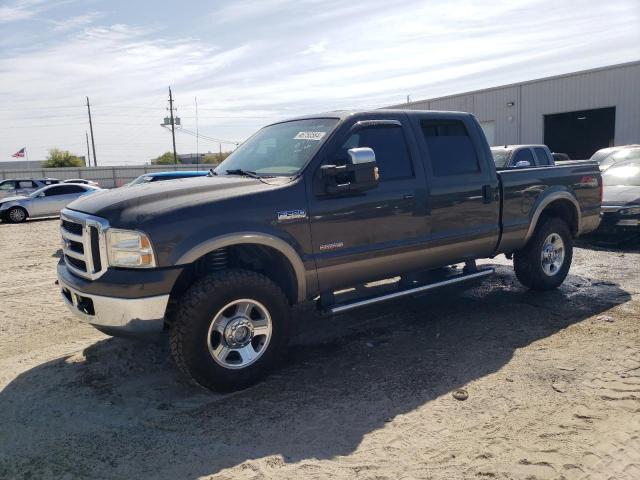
point(544, 262)
point(16, 215)
point(230, 329)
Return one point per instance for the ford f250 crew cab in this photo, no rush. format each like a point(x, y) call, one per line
point(306, 208)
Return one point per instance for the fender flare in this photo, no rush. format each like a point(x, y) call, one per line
point(256, 238)
point(545, 202)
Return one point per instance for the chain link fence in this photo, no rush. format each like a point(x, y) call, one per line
point(107, 177)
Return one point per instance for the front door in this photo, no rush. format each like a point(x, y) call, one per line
point(8, 188)
point(54, 199)
point(356, 237)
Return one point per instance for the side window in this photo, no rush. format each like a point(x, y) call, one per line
point(450, 148)
point(26, 184)
point(523, 155)
point(541, 155)
point(10, 185)
point(388, 143)
point(61, 190)
point(74, 189)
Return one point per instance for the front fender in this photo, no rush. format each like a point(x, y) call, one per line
point(15, 203)
point(258, 238)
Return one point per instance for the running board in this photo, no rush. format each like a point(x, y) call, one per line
point(412, 291)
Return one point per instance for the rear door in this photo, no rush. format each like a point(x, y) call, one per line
point(372, 234)
point(25, 187)
point(463, 185)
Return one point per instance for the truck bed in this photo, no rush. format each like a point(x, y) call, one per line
point(524, 189)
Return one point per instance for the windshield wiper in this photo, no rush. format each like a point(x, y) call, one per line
point(247, 173)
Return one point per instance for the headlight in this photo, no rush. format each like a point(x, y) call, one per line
point(130, 249)
point(630, 211)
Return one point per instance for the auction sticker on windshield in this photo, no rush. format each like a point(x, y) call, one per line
point(309, 136)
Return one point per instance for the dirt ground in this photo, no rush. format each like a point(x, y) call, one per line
point(553, 381)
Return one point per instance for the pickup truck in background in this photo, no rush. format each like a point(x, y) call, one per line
point(522, 156)
point(303, 209)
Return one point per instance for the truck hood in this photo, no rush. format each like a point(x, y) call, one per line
point(621, 195)
point(138, 203)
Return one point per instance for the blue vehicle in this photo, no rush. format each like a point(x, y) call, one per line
point(162, 176)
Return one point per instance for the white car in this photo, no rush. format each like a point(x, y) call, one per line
point(83, 181)
point(44, 202)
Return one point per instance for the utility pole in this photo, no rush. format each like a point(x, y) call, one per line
point(88, 162)
point(197, 133)
point(173, 128)
point(93, 143)
point(220, 154)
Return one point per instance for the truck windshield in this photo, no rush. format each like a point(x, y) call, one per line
point(627, 174)
point(501, 157)
point(282, 149)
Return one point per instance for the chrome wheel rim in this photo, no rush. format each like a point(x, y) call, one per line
point(239, 333)
point(552, 256)
point(16, 215)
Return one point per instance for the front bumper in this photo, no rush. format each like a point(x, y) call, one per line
point(116, 316)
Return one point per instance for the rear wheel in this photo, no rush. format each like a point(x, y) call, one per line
point(16, 215)
point(230, 329)
point(544, 262)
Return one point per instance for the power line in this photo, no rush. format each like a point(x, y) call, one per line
point(206, 137)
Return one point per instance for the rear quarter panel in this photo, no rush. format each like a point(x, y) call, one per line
point(526, 191)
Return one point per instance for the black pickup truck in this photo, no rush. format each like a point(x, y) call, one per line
point(305, 208)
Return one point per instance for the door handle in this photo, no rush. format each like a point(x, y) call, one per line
point(408, 196)
point(487, 193)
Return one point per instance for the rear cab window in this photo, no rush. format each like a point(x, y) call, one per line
point(541, 156)
point(451, 150)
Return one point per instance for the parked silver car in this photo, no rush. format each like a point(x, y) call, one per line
point(45, 202)
point(607, 157)
point(23, 186)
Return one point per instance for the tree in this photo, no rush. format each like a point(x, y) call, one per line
point(164, 159)
point(215, 158)
point(62, 158)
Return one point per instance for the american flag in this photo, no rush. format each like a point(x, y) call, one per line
point(19, 153)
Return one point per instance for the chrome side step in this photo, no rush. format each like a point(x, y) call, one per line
point(422, 288)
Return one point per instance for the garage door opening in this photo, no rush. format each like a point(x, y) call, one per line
point(579, 134)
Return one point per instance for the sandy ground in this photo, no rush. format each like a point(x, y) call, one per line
point(553, 381)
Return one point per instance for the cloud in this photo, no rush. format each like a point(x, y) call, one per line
point(26, 9)
point(250, 63)
point(315, 48)
point(78, 21)
point(20, 10)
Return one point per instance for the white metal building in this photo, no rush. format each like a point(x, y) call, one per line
point(576, 113)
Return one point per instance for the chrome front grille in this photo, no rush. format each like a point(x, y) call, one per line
point(83, 243)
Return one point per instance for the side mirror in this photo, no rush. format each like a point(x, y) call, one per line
point(523, 164)
point(41, 195)
point(358, 175)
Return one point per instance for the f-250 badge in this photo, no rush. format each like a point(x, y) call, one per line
point(288, 215)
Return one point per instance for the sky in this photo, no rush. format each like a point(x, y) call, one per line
point(250, 63)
